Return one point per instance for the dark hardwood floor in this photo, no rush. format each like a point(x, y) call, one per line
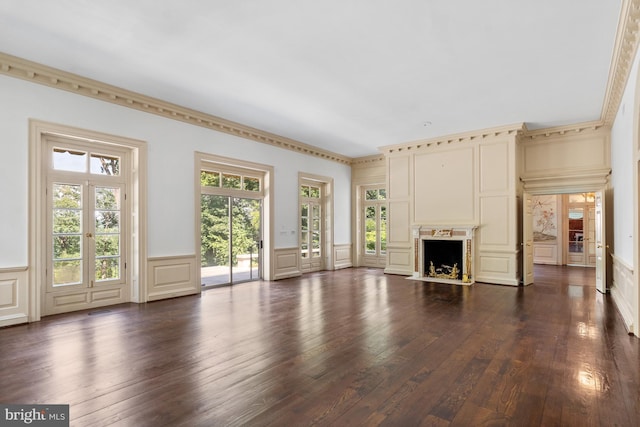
point(351, 347)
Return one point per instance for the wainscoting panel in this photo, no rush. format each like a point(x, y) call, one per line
point(287, 263)
point(171, 277)
point(544, 253)
point(498, 268)
point(622, 292)
point(342, 256)
point(14, 308)
point(399, 261)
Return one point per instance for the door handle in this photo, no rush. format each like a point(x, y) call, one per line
point(89, 235)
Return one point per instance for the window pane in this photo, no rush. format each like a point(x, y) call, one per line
point(67, 196)
point(314, 192)
point(107, 221)
point(371, 195)
point(66, 272)
point(69, 160)
point(231, 181)
point(304, 224)
point(105, 165)
point(67, 221)
point(370, 235)
point(304, 190)
point(304, 245)
point(67, 246)
point(251, 184)
point(315, 245)
point(107, 245)
point(107, 198)
point(382, 194)
point(316, 211)
point(210, 179)
point(305, 210)
point(107, 268)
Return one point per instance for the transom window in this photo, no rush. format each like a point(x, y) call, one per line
point(310, 191)
point(376, 194)
point(229, 180)
point(69, 160)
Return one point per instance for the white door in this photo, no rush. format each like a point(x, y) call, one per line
point(600, 242)
point(527, 240)
point(86, 245)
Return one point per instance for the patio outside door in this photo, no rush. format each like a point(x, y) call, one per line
point(230, 239)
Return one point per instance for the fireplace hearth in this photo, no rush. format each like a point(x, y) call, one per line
point(444, 254)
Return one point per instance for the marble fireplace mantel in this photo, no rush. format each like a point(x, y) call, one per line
point(458, 274)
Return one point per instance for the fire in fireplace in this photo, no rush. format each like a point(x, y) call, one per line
point(443, 259)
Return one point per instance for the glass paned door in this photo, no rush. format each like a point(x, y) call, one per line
point(374, 230)
point(85, 246)
point(230, 239)
point(311, 228)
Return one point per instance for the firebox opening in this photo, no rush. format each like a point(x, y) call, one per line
point(443, 259)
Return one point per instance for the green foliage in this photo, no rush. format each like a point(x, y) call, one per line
point(214, 229)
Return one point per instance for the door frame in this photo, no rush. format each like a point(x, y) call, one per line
point(361, 224)
point(137, 274)
point(560, 190)
point(326, 203)
point(201, 160)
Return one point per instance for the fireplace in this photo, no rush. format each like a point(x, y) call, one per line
point(442, 258)
point(444, 254)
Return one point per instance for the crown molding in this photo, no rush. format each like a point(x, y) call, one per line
point(514, 129)
point(37, 73)
point(624, 51)
point(565, 130)
point(365, 161)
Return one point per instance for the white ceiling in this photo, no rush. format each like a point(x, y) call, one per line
point(344, 75)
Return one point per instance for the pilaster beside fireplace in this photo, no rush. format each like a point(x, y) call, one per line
point(444, 254)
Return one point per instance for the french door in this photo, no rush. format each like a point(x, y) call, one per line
point(374, 227)
point(581, 220)
point(86, 244)
point(311, 228)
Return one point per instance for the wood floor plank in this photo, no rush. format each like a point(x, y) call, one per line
point(350, 347)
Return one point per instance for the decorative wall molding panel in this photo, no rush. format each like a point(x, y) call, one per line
point(171, 277)
point(622, 291)
point(14, 301)
point(287, 263)
point(342, 256)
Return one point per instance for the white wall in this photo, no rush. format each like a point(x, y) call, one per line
point(624, 289)
point(622, 171)
point(171, 146)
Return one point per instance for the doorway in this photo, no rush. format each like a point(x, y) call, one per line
point(580, 218)
point(230, 227)
point(374, 226)
point(565, 229)
point(85, 236)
